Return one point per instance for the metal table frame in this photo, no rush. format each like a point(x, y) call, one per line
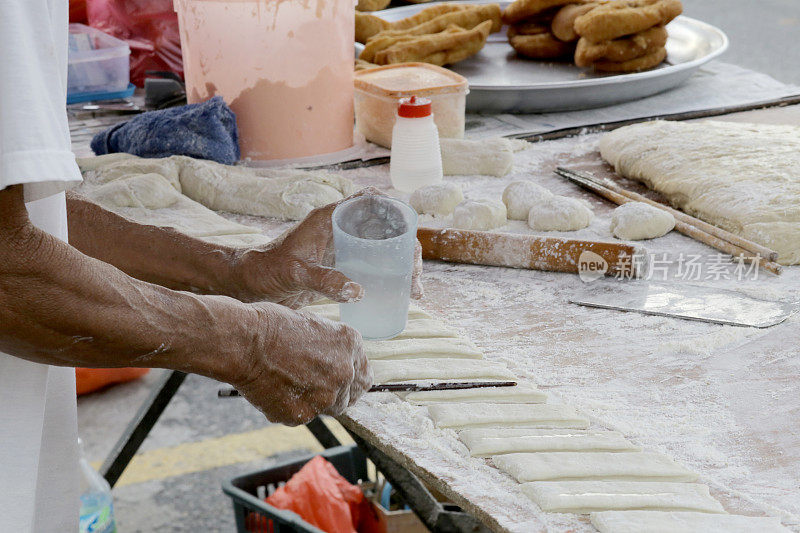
point(436, 517)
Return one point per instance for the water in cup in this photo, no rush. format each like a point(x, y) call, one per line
point(374, 239)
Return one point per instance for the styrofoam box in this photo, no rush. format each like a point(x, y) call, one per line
point(97, 61)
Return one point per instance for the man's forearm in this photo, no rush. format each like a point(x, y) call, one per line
point(150, 253)
point(60, 307)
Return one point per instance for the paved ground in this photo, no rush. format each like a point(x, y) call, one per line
point(764, 34)
point(174, 484)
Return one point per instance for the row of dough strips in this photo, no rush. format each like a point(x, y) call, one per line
point(562, 464)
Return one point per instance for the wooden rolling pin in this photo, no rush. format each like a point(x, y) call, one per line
point(525, 251)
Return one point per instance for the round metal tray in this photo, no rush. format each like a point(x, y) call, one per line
point(501, 82)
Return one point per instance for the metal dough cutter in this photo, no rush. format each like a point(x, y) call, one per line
point(689, 302)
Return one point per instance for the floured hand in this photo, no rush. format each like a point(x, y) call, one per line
point(301, 365)
point(297, 268)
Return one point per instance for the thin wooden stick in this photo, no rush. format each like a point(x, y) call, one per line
point(681, 224)
point(754, 247)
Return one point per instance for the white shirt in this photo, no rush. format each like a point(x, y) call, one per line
point(38, 428)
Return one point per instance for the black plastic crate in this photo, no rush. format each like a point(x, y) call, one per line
point(254, 515)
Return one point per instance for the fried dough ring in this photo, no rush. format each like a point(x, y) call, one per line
point(522, 9)
point(625, 17)
point(563, 25)
point(527, 28)
point(446, 47)
point(539, 46)
point(372, 5)
point(623, 49)
point(634, 65)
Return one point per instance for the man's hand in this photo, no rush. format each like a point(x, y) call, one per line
point(305, 366)
point(297, 268)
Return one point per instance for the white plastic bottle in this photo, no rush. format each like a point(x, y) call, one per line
point(416, 159)
point(97, 508)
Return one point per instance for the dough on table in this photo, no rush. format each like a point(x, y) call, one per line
point(154, 199)
point(740, 177)
point(560, 213)
point(634, 221)
point(517, 394)
point(549, 441)
point(487, 157)
point(682, 522)
point(506, 415)
point(437, 199)
point(609, 466)
point(480, 215)
point(285, 194)
point(435, 348)
point(330, 310)
point(583, 497)
point(439, 370)
point(520, 196)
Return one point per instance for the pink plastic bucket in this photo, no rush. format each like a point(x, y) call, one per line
point(284, 66)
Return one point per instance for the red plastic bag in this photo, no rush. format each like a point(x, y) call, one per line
point(323, 498)
point(77, 11)
point(150, 27)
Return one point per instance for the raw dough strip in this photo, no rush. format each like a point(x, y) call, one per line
point(518, 394)
point(605, 441)
point(331, 311)
point(448, 348)
point(505, 415)
point(682, 522)
point(583, 497)
point(413, 370)
point(426, 328)
point(567, 466)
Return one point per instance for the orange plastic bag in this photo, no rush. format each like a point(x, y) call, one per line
point(91, 379)
point(323, 498)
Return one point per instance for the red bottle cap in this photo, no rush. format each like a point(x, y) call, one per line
point(414, 107)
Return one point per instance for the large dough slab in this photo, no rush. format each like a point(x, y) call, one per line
point(584, 497)
point(548, 441)
point(414, 370)
point(682, 522)
point(506, 415)
point(741, 177)
point(518, 394)
point(576, 466)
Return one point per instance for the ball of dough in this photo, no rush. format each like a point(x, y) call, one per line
point(479, 214)
point(635, 221)
point(560, 213)
point(520, 196)
point(438, 199)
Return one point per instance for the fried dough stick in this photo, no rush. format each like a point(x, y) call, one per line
point(446, 47)
point(465, 19)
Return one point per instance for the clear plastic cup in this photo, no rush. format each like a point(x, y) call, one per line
point(374, 239)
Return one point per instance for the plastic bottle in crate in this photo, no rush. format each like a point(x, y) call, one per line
point(97, 507)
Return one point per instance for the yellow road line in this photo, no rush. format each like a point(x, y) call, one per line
point(222, 451)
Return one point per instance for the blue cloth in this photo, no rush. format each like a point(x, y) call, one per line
point(204, 131)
